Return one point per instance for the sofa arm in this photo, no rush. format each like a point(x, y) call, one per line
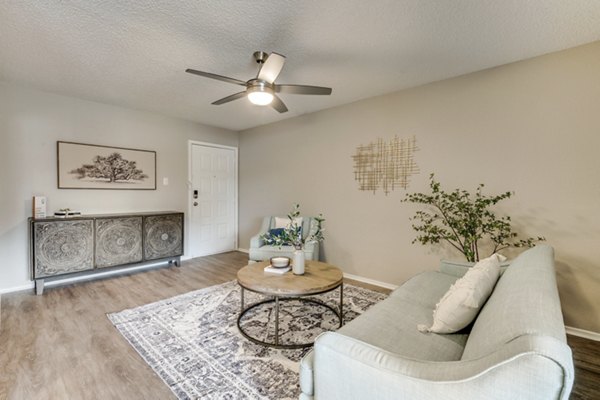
point(345, 368)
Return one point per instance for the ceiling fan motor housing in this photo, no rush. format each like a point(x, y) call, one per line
point(260, 57)
point(260, 85)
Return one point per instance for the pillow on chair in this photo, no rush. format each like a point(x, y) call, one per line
point(285, 222)
point(281, 223)
point(270, 238)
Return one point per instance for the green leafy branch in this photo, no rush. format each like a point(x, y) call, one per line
point(463, 220)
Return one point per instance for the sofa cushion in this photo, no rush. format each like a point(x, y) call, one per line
point(432, 282)
point(508, 312)
point(391, 324)
point(281, 222)
point(461, 303)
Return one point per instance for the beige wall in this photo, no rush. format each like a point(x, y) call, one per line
point(532, 127)
point(30, 124)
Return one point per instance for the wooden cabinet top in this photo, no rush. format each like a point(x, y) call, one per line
point(94, 216)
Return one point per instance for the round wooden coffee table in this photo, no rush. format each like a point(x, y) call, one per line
point(318, 278)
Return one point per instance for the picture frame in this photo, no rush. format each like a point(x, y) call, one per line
point(92, 166)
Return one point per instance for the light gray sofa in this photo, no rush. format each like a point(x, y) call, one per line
point(259, 251)
point(516, 348)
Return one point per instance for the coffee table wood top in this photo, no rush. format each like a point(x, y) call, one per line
point(318, 277)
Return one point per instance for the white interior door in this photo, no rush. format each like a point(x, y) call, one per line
point(213, 177)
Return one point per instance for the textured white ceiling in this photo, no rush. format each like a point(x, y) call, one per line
point(134, 53)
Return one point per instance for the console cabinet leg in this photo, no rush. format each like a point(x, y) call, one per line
point(39, 287)
point(178, 262)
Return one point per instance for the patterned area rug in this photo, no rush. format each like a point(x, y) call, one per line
point(192, 341)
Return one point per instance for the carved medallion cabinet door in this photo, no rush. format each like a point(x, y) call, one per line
point(118, 241)
point(63, 246)
point(163, 236)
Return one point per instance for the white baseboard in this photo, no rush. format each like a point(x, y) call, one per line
point(27, 286)
point(370, 281)
point(243, 250)
point(583, 333)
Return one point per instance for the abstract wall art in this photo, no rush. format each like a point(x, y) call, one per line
point(385, 165)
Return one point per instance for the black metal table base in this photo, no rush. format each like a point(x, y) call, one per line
point(277, 300)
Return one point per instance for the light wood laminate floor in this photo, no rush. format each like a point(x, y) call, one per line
point(62, 346)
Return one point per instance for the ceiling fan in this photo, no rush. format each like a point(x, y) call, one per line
point(262, 89)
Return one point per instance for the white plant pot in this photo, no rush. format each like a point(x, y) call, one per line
point(298, 266)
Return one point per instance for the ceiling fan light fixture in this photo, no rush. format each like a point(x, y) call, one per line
point(261, 90)
point(260, 94)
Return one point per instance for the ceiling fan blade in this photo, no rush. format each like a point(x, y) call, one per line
point(278, 105)
point(271, 68)
point(217, 77)
point(302, 89)
point(229, 98)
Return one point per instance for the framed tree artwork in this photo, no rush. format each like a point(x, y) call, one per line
point(88, 166)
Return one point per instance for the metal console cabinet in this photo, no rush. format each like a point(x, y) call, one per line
point(85, 245)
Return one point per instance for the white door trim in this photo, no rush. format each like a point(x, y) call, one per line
point(189, 191)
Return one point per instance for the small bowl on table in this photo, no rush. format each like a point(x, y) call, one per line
point(280, 262)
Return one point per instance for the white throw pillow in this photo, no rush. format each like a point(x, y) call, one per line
point(461, 303)
point(285, 222)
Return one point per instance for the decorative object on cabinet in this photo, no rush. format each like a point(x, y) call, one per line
point(65, 212)
point(39, 206)
point(93, 243)
point(385, 165)
point(89, 166)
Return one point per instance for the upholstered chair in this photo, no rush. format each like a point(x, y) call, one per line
point(260, 251)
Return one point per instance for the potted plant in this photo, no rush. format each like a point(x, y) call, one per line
point(464, 220)
point(292, 235)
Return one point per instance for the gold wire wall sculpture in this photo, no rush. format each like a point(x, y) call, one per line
point(385, 165)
